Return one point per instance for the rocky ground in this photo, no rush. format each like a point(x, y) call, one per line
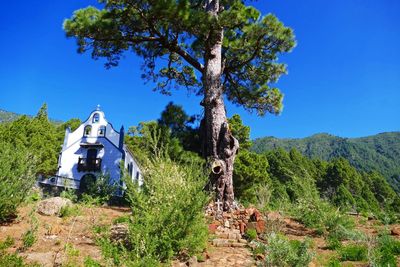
point(72, 239)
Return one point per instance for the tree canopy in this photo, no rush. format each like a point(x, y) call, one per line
point(171, 36)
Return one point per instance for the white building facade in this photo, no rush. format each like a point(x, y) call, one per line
point(94, 147)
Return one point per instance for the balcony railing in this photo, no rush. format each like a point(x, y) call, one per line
point(89, 164)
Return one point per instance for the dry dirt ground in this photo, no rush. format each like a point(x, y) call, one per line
point(54, 233)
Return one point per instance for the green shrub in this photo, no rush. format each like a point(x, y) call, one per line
point(8, 242)
point(16, 178)
point(70, 210)
point(353, 253)
point(333, 242)
point(122, 219)
point(30, 236)
point(326, 219)
point(385, 250)
point(99, 191)
point(334, 262)
point(89, 262)
point(13, 260)
point(168, 215)
point(69, 194)
point(282, 252)
point(251, 234)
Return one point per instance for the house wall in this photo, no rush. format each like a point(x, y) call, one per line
point(110, 154)
point(136, 173)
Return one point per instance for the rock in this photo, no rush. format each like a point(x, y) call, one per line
point(43, 258)
point(395, 230)
point(192, 262)
point(212, 228)
point(52, 206)
point(226, 224)
point(242, 227)
point(238, 245)
point(119, 234)
point(219, 242)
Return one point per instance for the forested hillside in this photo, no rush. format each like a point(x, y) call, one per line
point(7, 116)
point(379, 152)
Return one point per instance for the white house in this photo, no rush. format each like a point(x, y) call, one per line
point(94, 147)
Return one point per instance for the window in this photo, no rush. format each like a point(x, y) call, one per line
point(96, 118)
point(137, 175)
point(130, 169)
point(87, 131)
point(102, 131)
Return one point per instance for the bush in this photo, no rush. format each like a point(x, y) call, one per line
point(282, 252)
point(384, 251)
point(100, 190)
point(326, 219)
point(11, 260)
point(353, 253)
point(69, 210)
point(16, 179)
point(69, 194)
point(167, 215)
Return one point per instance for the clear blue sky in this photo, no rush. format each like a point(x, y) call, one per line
point(344, 74)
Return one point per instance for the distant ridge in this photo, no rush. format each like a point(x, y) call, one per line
point(379, 152)
point(7, 116)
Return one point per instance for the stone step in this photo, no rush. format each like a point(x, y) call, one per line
point(221, 242)
point(228, 235)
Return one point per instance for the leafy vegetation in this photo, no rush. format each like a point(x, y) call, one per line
point(16, 178)
point(280, 251)
point(373, 153)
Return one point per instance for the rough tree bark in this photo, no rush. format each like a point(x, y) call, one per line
point(220, 145)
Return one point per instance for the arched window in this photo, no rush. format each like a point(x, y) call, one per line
point(87, 131)
point(102, 131)
point(96, 118)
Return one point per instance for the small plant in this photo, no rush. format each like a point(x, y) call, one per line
point(122, 219)
point(8, 242)
point(353, 252)
point(70, 210)
point(333, 262)
point(69, 194)
point(282, 252)
point(251, 234)
point(384, 250)
point(30, 236)
point(71, 254)
point(13, 260)
point(333, 243)
point(89, 262)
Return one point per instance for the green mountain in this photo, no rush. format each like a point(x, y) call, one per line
point(7, 116)
point(379, 152)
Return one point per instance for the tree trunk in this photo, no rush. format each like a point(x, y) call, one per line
point(220, 146)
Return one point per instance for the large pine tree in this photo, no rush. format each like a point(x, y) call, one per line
point(221, 49)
